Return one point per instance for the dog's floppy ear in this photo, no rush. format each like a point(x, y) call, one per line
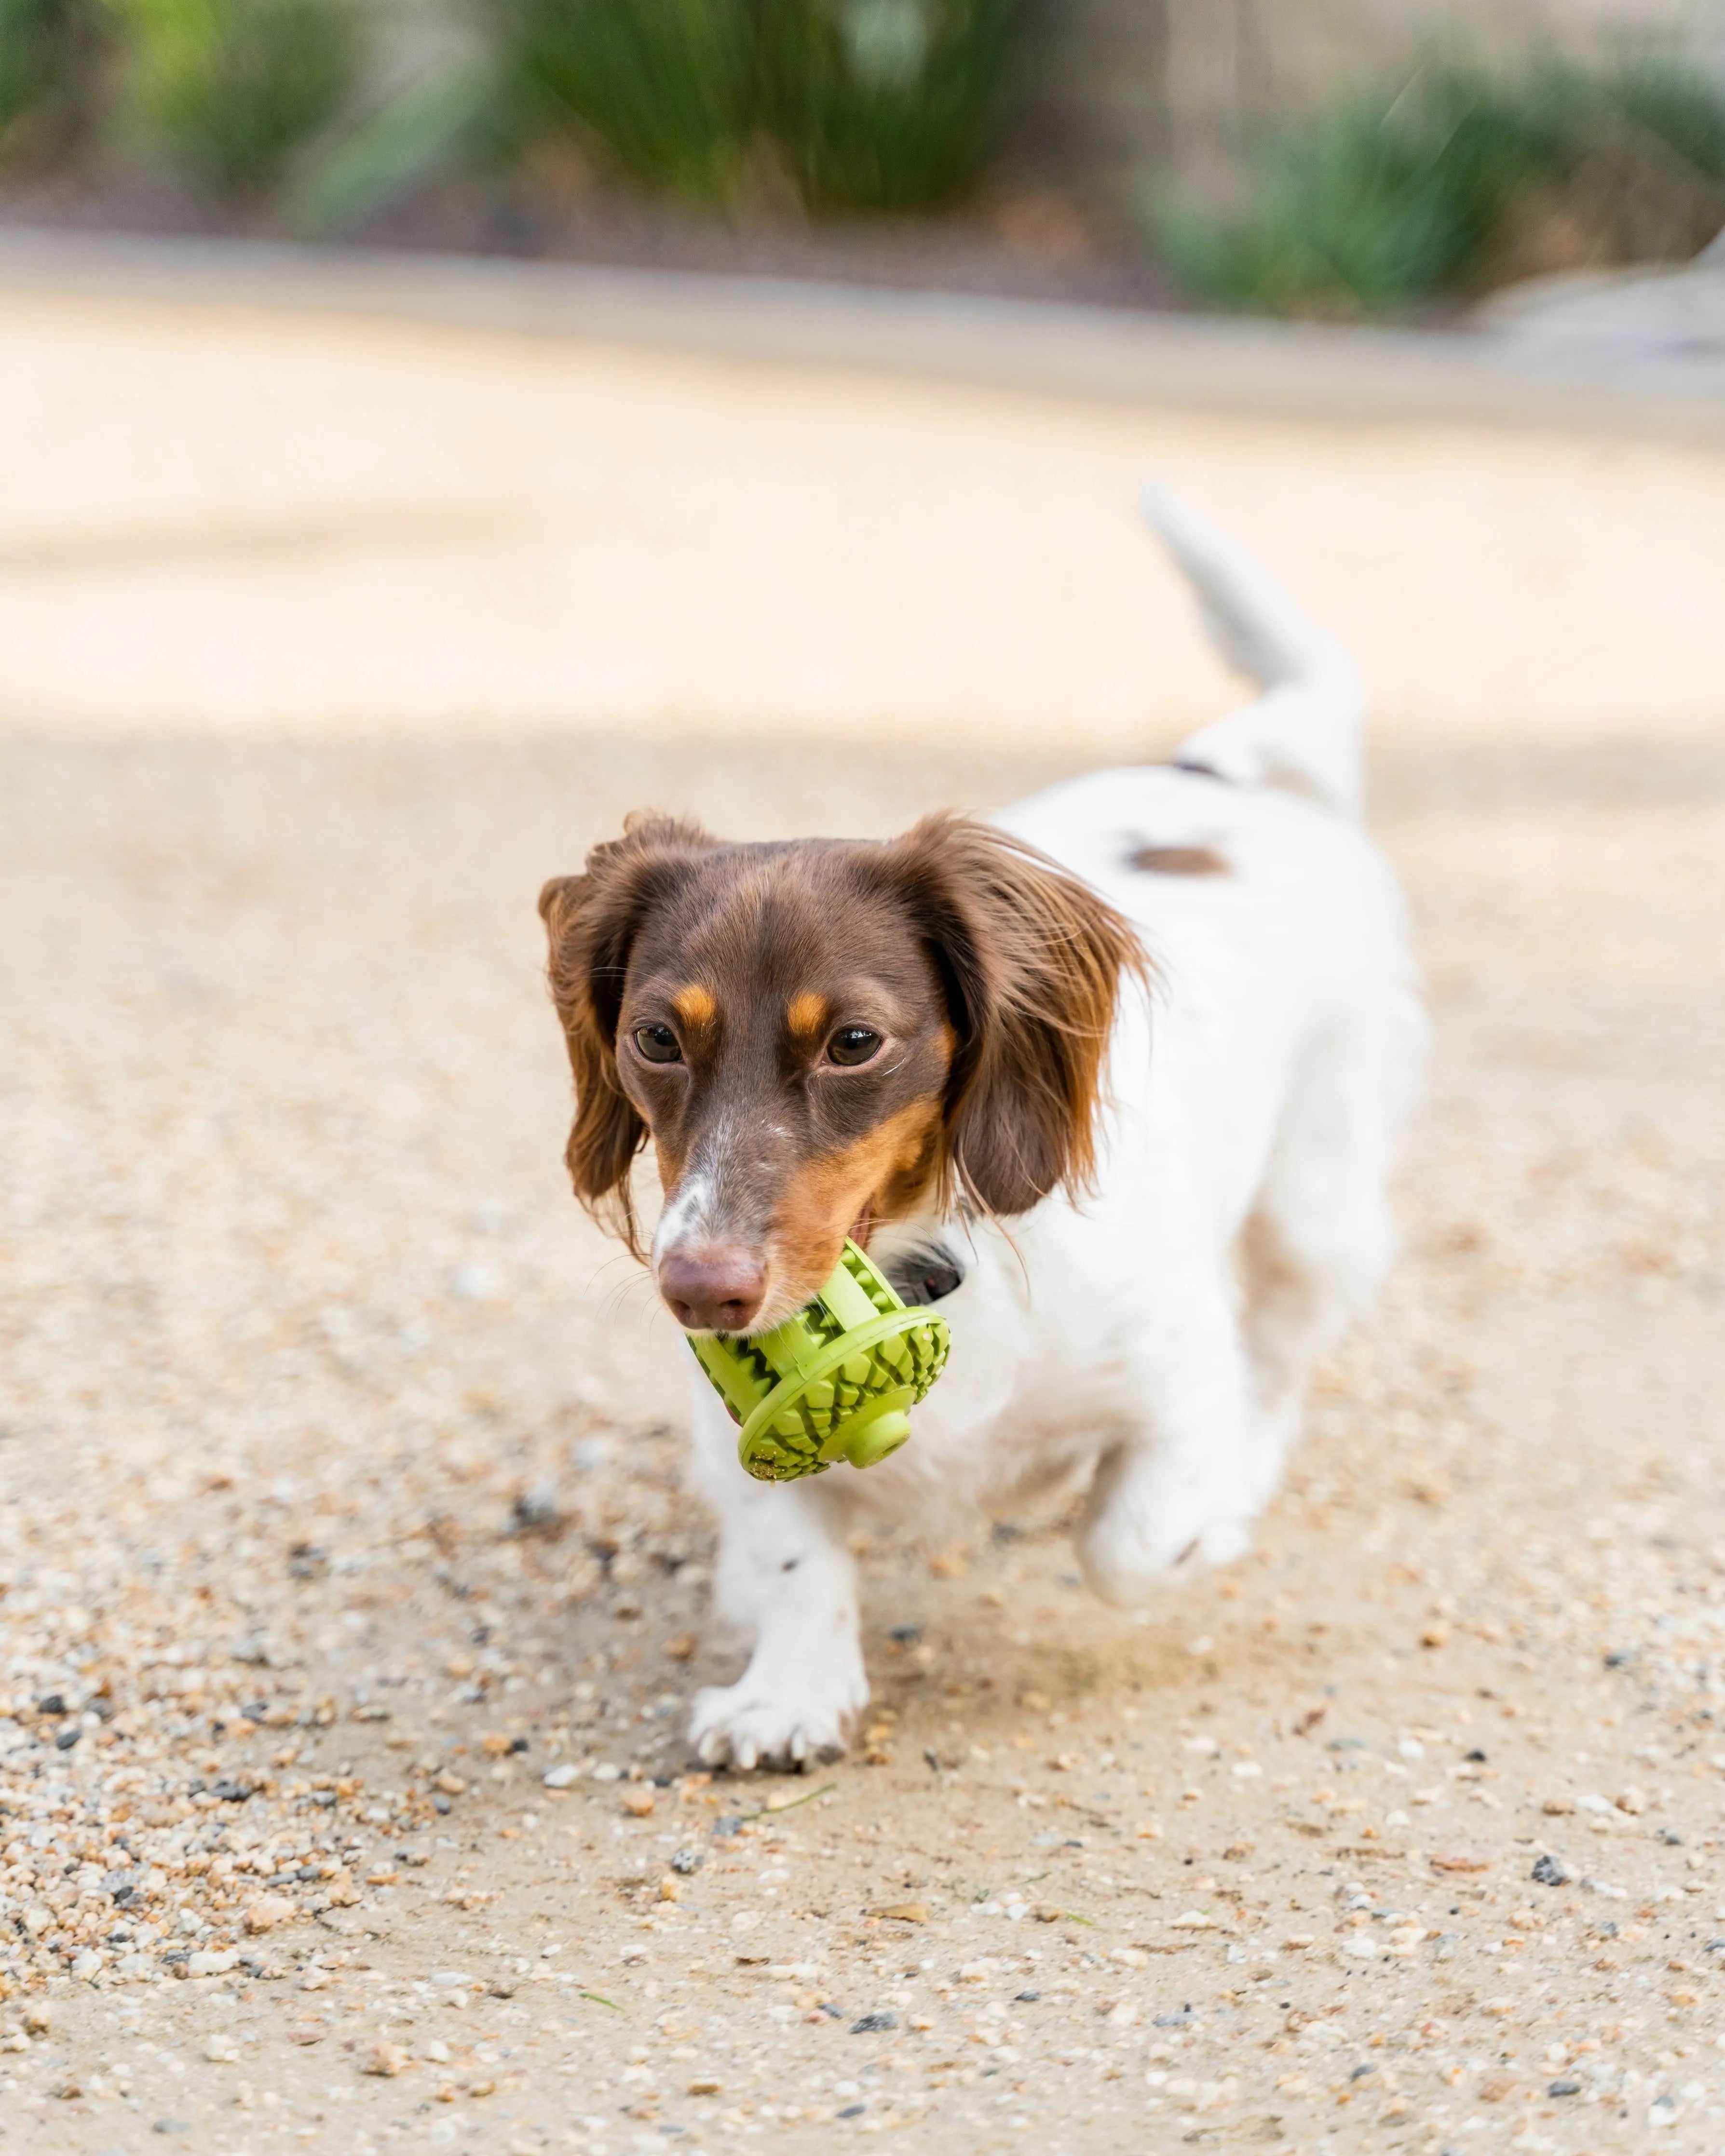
point(1031, 960)
point(591, 920)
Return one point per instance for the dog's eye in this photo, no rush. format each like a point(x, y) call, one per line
point(852, 1044)
point(658, 1043)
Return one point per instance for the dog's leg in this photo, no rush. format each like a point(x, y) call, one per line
point(1172, 1490)
point(1318, 1243)
point(785, 1575)
point(1303, 1292)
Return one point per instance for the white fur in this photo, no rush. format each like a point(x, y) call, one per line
point(1155, 1339)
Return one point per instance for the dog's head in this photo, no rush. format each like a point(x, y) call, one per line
point(824, 1035)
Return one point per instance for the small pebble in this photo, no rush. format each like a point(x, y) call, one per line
point(268, 1910)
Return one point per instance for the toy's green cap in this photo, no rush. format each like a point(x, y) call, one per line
point(836, 1382)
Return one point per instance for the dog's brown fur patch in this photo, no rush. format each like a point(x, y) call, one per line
point(1033, 962)
point(1180, 860)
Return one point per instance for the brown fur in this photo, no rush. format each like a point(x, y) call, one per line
point(1180, 860)
point(1032, 960)
point(992, 975)
point(590, 922)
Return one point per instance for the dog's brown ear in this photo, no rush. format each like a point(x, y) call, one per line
point(590, 922)
point(1031, 962)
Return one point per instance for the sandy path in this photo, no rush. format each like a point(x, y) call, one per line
point(335, 1456)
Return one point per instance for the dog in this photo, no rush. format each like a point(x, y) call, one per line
point(1114, 1079)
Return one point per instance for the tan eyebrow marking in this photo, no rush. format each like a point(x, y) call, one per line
point(806, 1015)
point(694, 1006)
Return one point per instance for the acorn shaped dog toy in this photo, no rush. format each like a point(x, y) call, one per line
point(836, 1382)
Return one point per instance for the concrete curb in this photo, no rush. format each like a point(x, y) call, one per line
point(1272, 369)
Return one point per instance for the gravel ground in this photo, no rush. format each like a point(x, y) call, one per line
point(348, 1601)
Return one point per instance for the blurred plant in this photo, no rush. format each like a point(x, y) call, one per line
point(867, 105)
point(50, 55)
point(1336, 221)
point(664, 90)
point(1673, 199)
point(1464, 178)
point(235, 89)
point(884, 105)
point(439, 121)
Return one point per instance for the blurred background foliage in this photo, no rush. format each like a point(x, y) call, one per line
point(234, 88)
point(51, 54)
point(1328, 157)
point(1460, 177)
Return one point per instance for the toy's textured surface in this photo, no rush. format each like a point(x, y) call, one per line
point(836, 1382)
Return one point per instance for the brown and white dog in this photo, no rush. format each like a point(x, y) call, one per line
point(942, 1045)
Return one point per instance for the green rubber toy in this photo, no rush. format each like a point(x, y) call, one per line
point(836, 1382)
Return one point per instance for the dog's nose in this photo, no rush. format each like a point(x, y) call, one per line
point(713, 1290)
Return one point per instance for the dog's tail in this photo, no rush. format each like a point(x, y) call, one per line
point(1304, 733)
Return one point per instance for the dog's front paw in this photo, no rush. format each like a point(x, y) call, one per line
point(755, 1723)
